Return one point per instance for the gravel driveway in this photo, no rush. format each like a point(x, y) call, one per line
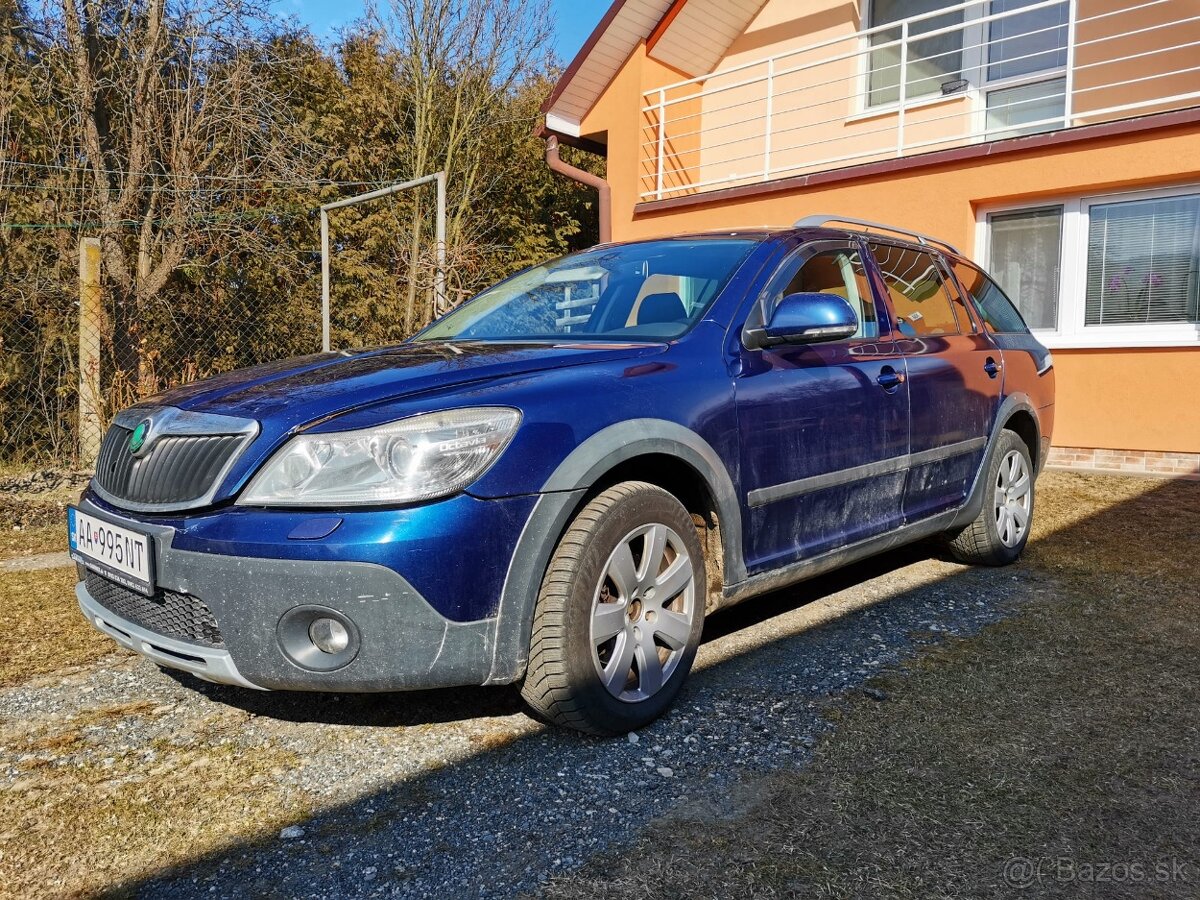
point(458, 793)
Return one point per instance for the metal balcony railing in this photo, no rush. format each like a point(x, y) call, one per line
point(976, 71)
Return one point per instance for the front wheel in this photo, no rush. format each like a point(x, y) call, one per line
point(619, 614)
point(1000, 531)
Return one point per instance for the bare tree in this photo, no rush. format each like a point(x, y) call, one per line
point(459, 60)
point(171, 115)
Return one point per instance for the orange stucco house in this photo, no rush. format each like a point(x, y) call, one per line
point(1056, 141)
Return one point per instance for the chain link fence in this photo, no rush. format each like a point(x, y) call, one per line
point(73, 353)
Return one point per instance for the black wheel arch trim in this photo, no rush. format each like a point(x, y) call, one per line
point(561, 495)
point(1013, 403)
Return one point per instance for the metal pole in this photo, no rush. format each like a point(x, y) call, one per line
point(903, 88)
point(770, 115)
point(662, 142)
point(324, 279)
point(439, 283)
point(440, 276)
point(1069, 81)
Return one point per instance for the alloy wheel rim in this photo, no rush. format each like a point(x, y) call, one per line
point(642, 612)
point(1013, 498)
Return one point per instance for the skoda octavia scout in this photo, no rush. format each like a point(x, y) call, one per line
point(555, 483)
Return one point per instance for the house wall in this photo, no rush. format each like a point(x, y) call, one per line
point(1135, 56)
point(723, 131)
point(1132, 399)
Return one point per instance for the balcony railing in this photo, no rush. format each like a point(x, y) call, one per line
point(977, 71)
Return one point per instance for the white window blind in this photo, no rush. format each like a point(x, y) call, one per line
point(1142, 262)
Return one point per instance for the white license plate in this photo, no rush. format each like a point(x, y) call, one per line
point(119, 553)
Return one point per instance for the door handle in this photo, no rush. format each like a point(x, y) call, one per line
point(889, 379)
point(991, 367)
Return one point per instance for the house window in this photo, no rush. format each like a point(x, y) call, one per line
point(932, 61)
point(1114, 271)
point(1142, 259)
point(1025, 258)
point(1026, 43)
point(1026, 109)
point(1015, 63)
point(1022, 46)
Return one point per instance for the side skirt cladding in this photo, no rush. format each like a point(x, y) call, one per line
point(915, 531)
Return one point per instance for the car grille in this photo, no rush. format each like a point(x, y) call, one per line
point(168, 613)
point(177, 469)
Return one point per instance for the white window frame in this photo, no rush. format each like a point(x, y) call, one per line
point(974, 70)
point(1071, 332)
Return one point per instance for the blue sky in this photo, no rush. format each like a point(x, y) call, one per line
point(574, 19)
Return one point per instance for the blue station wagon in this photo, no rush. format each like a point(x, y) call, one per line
point(555, 483)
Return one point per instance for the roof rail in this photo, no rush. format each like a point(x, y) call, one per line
point(821, 220)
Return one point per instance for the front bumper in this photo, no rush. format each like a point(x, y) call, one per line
point(209, 663)
point(404, 641)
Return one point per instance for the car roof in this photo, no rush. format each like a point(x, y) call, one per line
point(761, 233)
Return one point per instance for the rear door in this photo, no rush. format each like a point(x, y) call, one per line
point(823, 427)
point(954, 377)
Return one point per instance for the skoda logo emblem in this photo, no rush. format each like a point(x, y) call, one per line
point(137, 440)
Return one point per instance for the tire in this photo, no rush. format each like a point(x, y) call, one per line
point(621, 573)
point(999, 533)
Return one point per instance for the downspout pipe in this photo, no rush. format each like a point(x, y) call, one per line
point(562, 167)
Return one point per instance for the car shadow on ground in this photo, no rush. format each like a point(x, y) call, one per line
point(504, 819)
point(507, 818)
point(409, 708)
point(398, 709)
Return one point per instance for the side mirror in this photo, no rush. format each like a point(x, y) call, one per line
point(805, 319)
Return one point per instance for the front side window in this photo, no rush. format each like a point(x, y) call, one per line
point(838, 272)
point(932, 61)
point(1025, 256)
point(1142, 262)
point(917, 290)
point(653, 290)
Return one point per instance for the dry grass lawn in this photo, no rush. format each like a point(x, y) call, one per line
point(120, 818)
point(44, 629)
point(33, 539)
point(33, 510)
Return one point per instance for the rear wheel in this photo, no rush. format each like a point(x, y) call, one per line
point(619, 615)
point(999, 533)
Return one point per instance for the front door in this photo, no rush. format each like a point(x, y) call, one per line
point(953, 378)
point(823, 427)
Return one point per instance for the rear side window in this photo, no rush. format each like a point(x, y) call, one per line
point(917, 290)
point(998, 313)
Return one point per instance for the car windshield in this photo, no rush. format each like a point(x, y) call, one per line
point(653, 290)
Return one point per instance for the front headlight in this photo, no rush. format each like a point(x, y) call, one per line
point(414, 459)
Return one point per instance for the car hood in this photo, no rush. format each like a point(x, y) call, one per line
point(285, 395)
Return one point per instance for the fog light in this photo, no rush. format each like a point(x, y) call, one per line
point(318, 638)
point(329, 635)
